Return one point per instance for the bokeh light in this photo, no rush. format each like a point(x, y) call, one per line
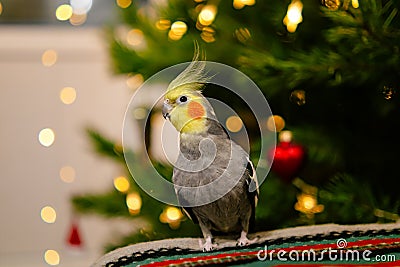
point(208, 34)
point(80, 7)
point(52, 257)
point(67, 174)
point(48, 214)
point(207, 15)
point(275, 123)
point(293, 16)
point(49, 58)
point(163, 24)
point(285, 136)
point(234, 124)
point(239, 4)
point(134, 81)
point(64, 12)
point(1, 8)
point(135, 37)
point(178, 29)
point(355, 3)
point(121, 184)
point(134, 203)
point(123, 3)
point(140, 113)
point(68, 95)
point(77, 19)
point(173, 213)
point(298, 97)
point(46, 137)
point(242, 34)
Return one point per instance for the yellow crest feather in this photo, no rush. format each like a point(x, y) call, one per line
point(194, 76)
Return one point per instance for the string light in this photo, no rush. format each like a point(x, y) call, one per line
point(134, 203)
point(275, 123)
point(172, 216)
point(68, 95)
point(52, 257)
point(239, 4)
point(140, 113)
point(121, 184)
point(49, 58)
point(48, 214)
point(298, 97)
point(64, 12)
point(163, 24)
point(207, 34)
point(81, 7)
point(124, 3)
point(293, 16)
point(178, 29)
point(242, 34)
point(46, 137)
point(135, 37)
point(207, 15)
point(77, 19)
point(308, 204)
point(67, 174)
point(134, 81)
point(234, 124)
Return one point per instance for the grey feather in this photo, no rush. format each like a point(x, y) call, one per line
point(232, 211)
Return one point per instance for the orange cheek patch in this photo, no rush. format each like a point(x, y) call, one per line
point(195, 110)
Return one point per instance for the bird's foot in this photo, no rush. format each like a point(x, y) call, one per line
point(244, 241)
point(208, 245)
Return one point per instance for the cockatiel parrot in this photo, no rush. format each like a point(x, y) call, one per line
point(214, 179)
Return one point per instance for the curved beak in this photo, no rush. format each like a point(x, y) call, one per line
point(166, 110)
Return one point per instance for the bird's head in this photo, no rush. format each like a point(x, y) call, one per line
point(187, 110)
point(184, 105)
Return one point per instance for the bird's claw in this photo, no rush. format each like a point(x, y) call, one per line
point(208, 245)
point(244, 241)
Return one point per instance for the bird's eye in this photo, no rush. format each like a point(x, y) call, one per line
point(183, 99)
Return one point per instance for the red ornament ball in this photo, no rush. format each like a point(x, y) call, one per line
point(288, 157)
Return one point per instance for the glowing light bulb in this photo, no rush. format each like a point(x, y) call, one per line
point(64, 12)
point(48, 214)
point(67, 174)
point(81, 6)
point(68, 95)
point(293, 16)
point(234, 124)
point(49, 58)
point(207, 15)
point(275, 123)
point(52, 257)
point(163, 24)
point(134, 203)
point(121, 184)
point(46, 137)
point(124, 3)
point(285, 136)
point(179, 28)
point(135, 37)
point(77, 19)
point(173, 214)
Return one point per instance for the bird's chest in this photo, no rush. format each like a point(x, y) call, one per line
point(223, 214)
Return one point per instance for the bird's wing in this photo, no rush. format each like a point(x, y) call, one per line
point(252, 182)
point(187, 210)
point(252, 191)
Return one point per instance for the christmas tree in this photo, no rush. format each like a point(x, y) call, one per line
point(330, 71)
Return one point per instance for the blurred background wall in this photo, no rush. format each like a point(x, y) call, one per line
point(54, 76)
